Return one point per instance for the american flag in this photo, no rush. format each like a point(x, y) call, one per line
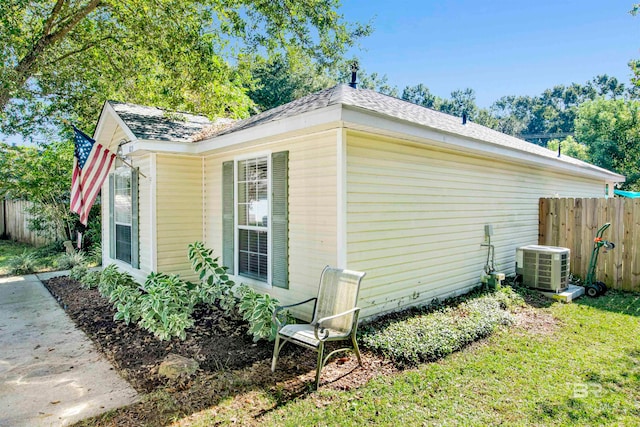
point(91, 165)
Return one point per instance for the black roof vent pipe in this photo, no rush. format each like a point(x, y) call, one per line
point(464, 118)
point(354, 75)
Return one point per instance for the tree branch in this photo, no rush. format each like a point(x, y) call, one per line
point(25, 67)
point(54, 13)
point(77, 51)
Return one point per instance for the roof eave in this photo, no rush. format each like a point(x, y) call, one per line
point(371, 121)
point(315, 120)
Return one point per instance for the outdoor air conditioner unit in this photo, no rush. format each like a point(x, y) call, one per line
point(543, 267)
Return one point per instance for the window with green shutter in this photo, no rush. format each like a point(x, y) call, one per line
point(255, 218)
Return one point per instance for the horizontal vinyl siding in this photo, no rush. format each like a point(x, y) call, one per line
point(179, 211)
point(312, 209)
point(416, 217)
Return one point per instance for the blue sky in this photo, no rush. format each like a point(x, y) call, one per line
point(498, 47)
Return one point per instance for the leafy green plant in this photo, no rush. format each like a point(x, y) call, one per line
point(90, 280)
point(214, 281)
point(433, 335)
point(23, 263)
point(110, 278)
point(50, 249)
point(68, 261)
point(167, 305)
point(122, 291)
point(78, 272)
point(255, 308)
point(95, 253)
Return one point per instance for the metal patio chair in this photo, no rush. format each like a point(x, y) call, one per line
point(335, 318)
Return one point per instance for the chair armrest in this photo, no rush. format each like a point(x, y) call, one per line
point(322, 333)
point(276, 320)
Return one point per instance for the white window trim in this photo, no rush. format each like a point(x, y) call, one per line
point(129, 224)
point(236, 258)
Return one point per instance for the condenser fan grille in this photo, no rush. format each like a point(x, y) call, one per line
point(544, 267)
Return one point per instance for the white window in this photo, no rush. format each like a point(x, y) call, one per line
point(123, 214)
point(252, 217)
point(255, 218)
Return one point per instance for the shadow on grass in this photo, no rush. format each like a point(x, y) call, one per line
point(294, 379)
point(615, 301)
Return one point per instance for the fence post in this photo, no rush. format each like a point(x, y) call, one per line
point(572, 223)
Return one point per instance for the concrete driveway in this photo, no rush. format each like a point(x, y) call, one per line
point(50, 372)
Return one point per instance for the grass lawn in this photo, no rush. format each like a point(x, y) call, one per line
point(567, 364)
point(9, 249)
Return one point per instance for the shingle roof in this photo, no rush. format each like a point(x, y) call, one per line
point(161, 125)
point(378, 103)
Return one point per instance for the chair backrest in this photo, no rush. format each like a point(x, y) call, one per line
point(337, 293)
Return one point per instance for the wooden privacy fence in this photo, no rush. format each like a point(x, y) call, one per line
point(573, 223)
point(15, 223)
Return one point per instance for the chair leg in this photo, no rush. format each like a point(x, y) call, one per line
point(276, 351)
point(356, 349)
point(320, 363)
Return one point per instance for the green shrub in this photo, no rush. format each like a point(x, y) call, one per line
point(430, 336)
point(78, 272)
point(24, 263)
point(255, 308)
point(95, 253)
point(165, 304)
point(166, 307)
point(90, 280)
point(50, 249)
point(68, 261)
point(110, 277)
point(123, 292)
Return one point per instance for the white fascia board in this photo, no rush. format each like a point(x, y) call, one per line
point(101, 120)
point(107, 110)
point(366, 121)
point(143, 146)
point(316, 120)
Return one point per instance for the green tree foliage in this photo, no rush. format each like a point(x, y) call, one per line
point(421, 95)
point(570, 147)
point(552, 114)
point(42, 176)
point(283, 78)
point(611, 130)
point(461, 101)
point(63, 58)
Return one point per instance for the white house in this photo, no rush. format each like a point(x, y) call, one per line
point(346, 177)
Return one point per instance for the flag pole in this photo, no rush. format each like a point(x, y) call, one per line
point(129, 164)
point(68, 123)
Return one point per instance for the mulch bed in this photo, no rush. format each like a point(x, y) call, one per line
point(219, 343)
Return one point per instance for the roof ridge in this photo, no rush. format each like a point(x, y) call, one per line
point(163, 109)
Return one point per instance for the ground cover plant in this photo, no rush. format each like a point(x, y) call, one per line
point(22, 258)
point(438, 332)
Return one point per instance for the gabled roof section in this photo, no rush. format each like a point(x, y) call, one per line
point(376, 103)
point(156, 124)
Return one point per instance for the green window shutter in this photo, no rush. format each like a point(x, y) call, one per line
point(280, 219)
point(228, 226)
point(112, 218)
point(135, 251)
